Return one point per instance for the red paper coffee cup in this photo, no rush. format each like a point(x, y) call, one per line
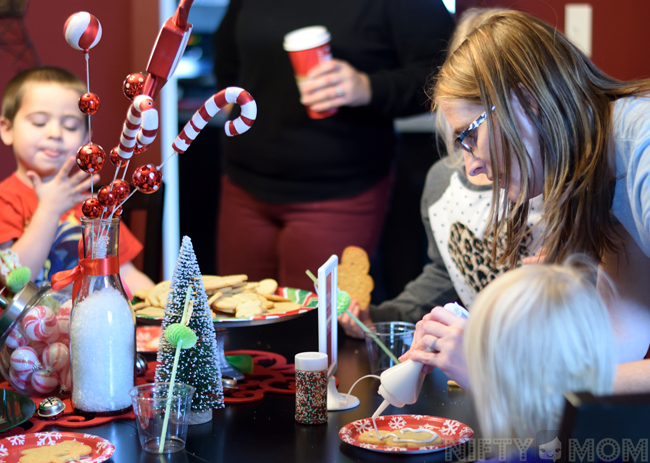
point(307, 47)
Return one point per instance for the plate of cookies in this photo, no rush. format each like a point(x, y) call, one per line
point(45, 447)
point(233, 300)
point(406, 434)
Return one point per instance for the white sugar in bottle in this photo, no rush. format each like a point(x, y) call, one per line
point(102, 326)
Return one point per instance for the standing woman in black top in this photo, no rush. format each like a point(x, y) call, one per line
point(297, 190)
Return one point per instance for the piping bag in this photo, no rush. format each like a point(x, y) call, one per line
point(401, 384)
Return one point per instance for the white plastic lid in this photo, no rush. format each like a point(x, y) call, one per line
point(311, 361)
point(306, 38)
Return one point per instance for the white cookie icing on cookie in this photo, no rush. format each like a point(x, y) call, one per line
point(405, 430)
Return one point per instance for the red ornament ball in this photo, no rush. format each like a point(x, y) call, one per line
point(140, 149)
point(122, 189)
point(91, 208)
point(116, 159)
point(133, 85)
point(90, 158)
point(147, 178)
point(89, 103)
point(117, 211)
point(106, 196)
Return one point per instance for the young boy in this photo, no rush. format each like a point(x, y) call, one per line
point(40, 203)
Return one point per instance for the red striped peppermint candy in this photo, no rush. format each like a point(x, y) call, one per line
point(63, 322)
point(44, 382)
point(82, 31)
point(21, 380)
point(211, 107)
point(24, 359)
point(56, 356)
point(38, 346)
point(16, 339)
point(40, 323)
point(65, 379)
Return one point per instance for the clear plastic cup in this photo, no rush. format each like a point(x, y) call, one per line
point(149, 404)
point(396, 336)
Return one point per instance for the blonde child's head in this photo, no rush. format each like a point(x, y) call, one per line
point(536, 333)
point(40, 119)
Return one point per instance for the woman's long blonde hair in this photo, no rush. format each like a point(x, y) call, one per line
point(469, 20)
point(567, 99)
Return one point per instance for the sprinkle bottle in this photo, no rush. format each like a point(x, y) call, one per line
point(311, 387)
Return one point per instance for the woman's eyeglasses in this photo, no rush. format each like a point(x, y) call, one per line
point(460, 140)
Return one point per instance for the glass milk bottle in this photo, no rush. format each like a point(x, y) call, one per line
point(102, 326)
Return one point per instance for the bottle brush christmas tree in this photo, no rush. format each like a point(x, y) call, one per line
point(198, 366)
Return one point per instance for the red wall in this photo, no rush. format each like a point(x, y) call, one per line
point(129, 29)
point(619, 43)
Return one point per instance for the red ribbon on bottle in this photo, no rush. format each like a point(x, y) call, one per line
point(86, 267)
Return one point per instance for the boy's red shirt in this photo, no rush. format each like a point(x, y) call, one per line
point(18, 202)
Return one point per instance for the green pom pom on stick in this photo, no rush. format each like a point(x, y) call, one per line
point(343, 301)
point(181, 336)
point(18, 278)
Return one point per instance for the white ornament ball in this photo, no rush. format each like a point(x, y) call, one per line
point(40, 323)
point(56, 356)
point(24, 359)
point(44, 382)
point(16, 339)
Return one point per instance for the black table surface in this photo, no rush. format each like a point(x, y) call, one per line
point(266, 431)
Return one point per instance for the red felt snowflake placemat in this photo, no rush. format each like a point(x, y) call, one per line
point(271, 374)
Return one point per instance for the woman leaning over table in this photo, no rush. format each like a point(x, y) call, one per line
point(537, 117)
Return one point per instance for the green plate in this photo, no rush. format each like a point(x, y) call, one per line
point(15, 409)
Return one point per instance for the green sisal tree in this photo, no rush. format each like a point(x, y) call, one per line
point(198, 366)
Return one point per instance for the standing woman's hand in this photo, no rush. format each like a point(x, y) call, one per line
point(333, 84)
point(441, 331)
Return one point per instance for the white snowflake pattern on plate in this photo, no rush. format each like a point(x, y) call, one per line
point(449, 427)
point(363, 426)
point(17, 440)
point(397, 422)
point(3, 451)
point(47, 438)
point(350, 435)
point(101, 445)
point(367, 446)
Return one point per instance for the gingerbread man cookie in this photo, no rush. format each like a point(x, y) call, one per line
point(353, 275)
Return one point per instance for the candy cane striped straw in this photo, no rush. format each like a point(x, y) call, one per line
point(211, 107)
point(141, 125)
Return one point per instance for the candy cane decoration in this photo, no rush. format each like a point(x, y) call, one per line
point(211, 107)
point(141, 125)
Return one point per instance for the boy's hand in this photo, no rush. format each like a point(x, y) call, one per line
point(63, 192)
point(349, 325)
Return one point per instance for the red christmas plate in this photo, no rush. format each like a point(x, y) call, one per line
point(452, 432)
point(11, 447)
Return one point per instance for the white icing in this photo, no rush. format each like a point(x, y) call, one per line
point(418, 430)
point(404, 430)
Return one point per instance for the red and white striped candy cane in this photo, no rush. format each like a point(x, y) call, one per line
point(141, 125)
point(211, 107)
